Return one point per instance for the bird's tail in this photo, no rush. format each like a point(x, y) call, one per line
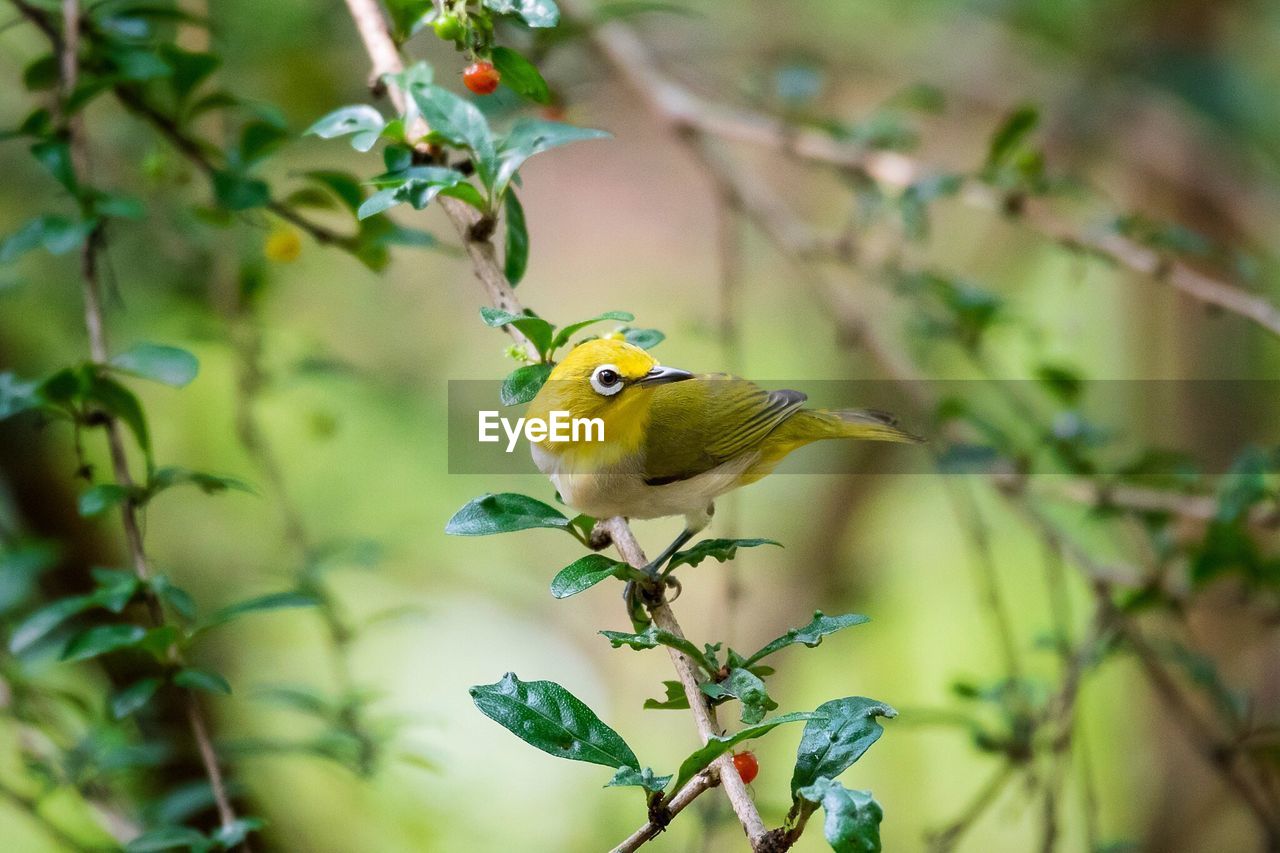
point(862, 424)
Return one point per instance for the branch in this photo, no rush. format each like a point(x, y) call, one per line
point(386, 60)
point(94, 325)
point(704, 715)
point(1218, 752)
point(671, 808)
point(686, 111)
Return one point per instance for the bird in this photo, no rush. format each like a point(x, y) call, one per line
point(674, 441)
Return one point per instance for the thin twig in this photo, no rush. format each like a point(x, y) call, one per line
point(95, 326)
point(946, 838)
point(670, 808)
point(687, 111)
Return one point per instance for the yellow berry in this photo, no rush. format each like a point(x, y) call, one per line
point(283, 245)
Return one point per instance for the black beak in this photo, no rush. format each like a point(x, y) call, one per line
point(663, 375)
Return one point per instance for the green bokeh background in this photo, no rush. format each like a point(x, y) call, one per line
point(1163, 106)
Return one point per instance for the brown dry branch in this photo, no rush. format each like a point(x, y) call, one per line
point(95, 327)
point(686, 111)
point(385, 60)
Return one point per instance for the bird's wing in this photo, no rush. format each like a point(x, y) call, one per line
point(704, 422)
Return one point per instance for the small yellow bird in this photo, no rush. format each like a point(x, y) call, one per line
point(673, 442)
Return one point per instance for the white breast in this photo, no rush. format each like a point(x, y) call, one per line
point(621, 490)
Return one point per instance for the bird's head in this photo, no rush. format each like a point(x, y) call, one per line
point(607, 379)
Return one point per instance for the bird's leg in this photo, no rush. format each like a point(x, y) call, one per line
point(654, 566)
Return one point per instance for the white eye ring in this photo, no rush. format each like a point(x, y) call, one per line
point(606, 380)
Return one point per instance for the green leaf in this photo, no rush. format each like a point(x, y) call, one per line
point(121, 403)
point(504, 513)
point(259, 140)
point(57, 235)
point(521, 75)
point(720, 549)
point(748, 689)
point(653, 637)
point(467, 193)
point(529, 137)
point(177, 597)
point(586, 572)
point(536, 329)
point(16, 395)
point(524, 383)
point(643, 338)
point(839, 733)
point(459, 122)
point(41, 74)
point(168, 365)
point(343, 185)
point(562, 336)
point(98, 499)
point(258, 604)
point(201, 679)
point(237, 191)
point(628, 777)
point(101, 639)
point(535, 13)
point(1011, 133)
point(810, 635)
point(55, 156)
point(168, 838)
point(360, 119)
point(852, 823)
point(232, 835)
point(516, 256)
point(211, 484)
point(133, 697)
point(545, 715)
point(677, 699)
point(38, 625)
point(719, 745)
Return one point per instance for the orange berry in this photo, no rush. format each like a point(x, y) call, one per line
point(481, 77)
point(748, 767)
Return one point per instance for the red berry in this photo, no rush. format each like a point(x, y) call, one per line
point(747, 766)
point(481, 77)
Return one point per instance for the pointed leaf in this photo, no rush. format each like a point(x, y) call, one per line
point(516, 257)
point(101, 639)
point(810, 635)
point(837, 736)
point(521, 75)
point(459, 122)
point(720, 549)
point(584, 573)
point(134, 696)
point(627, 777)
point(545, 715)
point(677, 699)
point(202, 679)
point(504, 513)
point(719, 745)
point(523, 384)
point(168, 365)
point(532, 136)
point(852, 823)
point(536, 329)
point(653, 637)
point(562, 336)
point(748, 689)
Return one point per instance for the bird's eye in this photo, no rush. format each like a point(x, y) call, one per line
point(606, 380)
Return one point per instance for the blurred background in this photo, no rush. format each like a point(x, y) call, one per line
point(1167, 108)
